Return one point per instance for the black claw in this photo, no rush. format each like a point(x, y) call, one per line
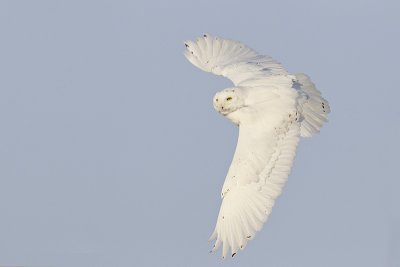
point(233, 254)
point(205, 35)
point(186, 45)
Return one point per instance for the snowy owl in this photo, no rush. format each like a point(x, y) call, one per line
point(273, 109)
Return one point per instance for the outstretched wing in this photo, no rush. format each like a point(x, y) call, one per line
point(262, 162)
point(230, 59)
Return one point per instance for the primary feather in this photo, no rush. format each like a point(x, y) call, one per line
point(273, 109)
point(230, 59)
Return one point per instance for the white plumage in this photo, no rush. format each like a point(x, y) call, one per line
point(272, 109)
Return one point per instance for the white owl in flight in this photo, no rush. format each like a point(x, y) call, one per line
point(272, 109)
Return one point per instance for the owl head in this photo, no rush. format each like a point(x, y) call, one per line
point(228, 101)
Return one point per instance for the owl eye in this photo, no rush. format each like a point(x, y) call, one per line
point(228, 98)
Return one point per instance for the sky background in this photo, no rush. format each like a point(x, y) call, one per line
point(112, 155)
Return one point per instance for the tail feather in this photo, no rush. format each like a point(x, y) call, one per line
point(314, 109)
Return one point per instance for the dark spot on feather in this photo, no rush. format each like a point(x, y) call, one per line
point(249, 236)
point(205, 35)
point(223, 217)
point(265, 69)
point(296, 85)
point(241, 246)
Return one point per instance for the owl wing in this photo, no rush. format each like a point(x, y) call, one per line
point(262, 162)
point(231, 59)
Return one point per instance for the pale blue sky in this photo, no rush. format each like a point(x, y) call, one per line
point(112, 155)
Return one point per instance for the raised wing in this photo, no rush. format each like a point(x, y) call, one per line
point(262, 162)
point(231, 59)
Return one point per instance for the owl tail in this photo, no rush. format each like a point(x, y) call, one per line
point(314, 108)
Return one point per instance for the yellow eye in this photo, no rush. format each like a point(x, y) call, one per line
point(228, 98)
